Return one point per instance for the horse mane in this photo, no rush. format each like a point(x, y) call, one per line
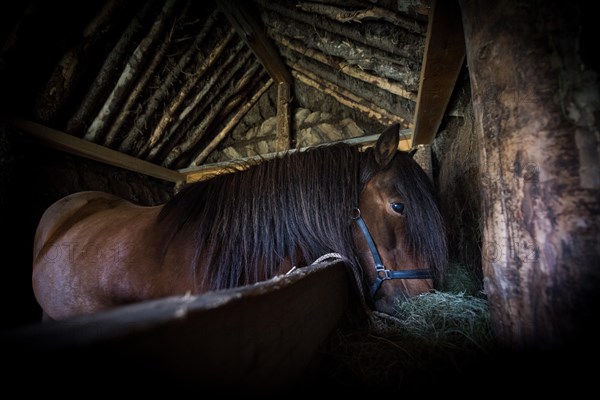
point(295, 207)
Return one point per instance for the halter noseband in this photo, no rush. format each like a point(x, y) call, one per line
point(383, 274)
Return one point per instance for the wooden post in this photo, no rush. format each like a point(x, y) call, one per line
point(534, 99)
point(284, 116)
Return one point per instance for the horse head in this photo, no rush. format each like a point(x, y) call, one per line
point(399, 233)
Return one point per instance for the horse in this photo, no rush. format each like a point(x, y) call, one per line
point(375, 208)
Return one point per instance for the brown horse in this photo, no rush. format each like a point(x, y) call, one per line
point(375, 208)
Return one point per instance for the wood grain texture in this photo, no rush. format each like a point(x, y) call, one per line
point(256, 337)
point(541, 212)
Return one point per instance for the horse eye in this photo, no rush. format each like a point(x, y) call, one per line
point(398, 207)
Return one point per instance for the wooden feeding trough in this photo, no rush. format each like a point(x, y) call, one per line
point(256, 337)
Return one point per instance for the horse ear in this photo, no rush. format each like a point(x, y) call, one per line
point(387, 145)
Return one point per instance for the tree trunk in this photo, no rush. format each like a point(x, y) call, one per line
point(536, 102)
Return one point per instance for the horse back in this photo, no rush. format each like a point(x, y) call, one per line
point(83, 251)
point(66, 212)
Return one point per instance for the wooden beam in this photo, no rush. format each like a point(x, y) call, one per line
point(79, 147)
point(443, 59)
point(251, 31)
point(207, 171)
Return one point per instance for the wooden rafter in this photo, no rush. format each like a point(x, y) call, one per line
point(339, 64)
point(79, 147)
point(442, 62)
point(348, 98)
point(251, 31)
point(243, 110)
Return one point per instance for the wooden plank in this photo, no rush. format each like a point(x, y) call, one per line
point(258, 336)
point(82, 148)
point(207, 171)
point(251, 31)
point(442, 62)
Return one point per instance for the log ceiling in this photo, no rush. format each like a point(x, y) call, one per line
point(159, 86)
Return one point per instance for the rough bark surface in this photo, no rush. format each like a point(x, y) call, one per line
point(535, 102)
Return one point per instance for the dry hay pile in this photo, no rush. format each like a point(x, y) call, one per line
point(434, 339)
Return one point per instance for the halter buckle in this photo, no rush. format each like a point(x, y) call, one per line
point(384, 274)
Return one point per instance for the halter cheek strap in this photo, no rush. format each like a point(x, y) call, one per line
point(383, 274)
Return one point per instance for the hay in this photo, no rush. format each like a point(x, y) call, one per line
point(443, 320)
point(460, 279)
point(433, 335)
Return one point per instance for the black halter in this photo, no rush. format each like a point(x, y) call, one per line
point(383, 274)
